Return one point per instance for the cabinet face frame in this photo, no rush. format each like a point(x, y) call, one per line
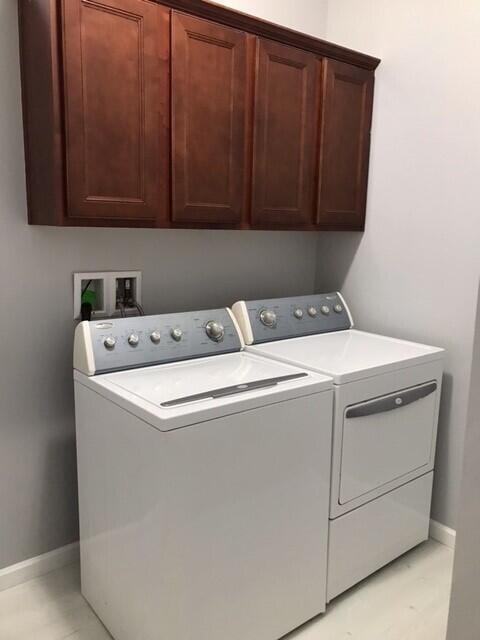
point(42, 105)
point(132, 143)
point(210, 159)
point(344, 147)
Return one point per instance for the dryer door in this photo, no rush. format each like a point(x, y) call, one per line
point(386, 438)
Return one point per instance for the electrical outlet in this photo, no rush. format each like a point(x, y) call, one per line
point(111, 293)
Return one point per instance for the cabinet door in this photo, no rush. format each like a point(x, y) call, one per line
point(345, 145)
point(285, 131)
point(116, 94)
point(209, 109)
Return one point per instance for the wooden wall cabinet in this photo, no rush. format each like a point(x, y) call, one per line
point(345, 147)
point(285, 136)
point(209, 109)
point(183, 113)
point(116, 81)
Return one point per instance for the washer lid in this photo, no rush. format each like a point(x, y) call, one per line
point(174, 395)
point(349, 355)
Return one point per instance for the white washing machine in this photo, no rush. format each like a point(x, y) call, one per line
point(386, 402)
point(204, 478)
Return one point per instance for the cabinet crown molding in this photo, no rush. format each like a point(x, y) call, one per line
point(265, 29)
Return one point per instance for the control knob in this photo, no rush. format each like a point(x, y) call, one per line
point(215, 330)
point(109, 343)
point(176, 334)
point(312, 312)
point(298, 313)
point(155, 337)
point(325, 309)
point(133, 340)
point(268, 318)
point(338, 308)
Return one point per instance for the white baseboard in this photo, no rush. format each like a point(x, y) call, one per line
point(442, 533)
point(38, 566)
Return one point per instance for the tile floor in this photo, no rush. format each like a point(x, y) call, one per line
point(408, 600)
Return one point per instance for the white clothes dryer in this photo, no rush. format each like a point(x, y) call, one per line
point(386, 403)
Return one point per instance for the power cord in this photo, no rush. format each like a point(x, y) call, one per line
point(140, 309)
point(86, 311)
point(134, 305)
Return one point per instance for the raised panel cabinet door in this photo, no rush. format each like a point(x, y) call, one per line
point(344, 145)
point(116, 94)
point(285, 132)
point(209, 110)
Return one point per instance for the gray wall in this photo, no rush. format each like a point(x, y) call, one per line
point(414, 273)
point(464, 620)
point(182, 270)
point(419, 254)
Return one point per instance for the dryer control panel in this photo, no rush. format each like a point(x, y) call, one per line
point(126, 343)
point(281, 318)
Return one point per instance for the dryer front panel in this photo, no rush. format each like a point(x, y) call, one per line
point(385, 431)
point(386, 438)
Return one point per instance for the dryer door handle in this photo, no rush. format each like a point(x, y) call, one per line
point(392, 402)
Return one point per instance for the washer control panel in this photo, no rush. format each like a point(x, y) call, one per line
point(281, 318)
point(125, 343)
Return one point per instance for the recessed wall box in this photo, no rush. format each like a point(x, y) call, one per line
point(90, 287)
point(111, 293)
point(128, 292)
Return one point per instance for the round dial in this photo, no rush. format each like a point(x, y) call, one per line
point(133, 340)
point(176, 334)
point(215, 330)
point(312, 311)
point(338, 308)
point(268, 317)
point(109, 343)
point(325, 310)
point(155, 337)
point(298, 313)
